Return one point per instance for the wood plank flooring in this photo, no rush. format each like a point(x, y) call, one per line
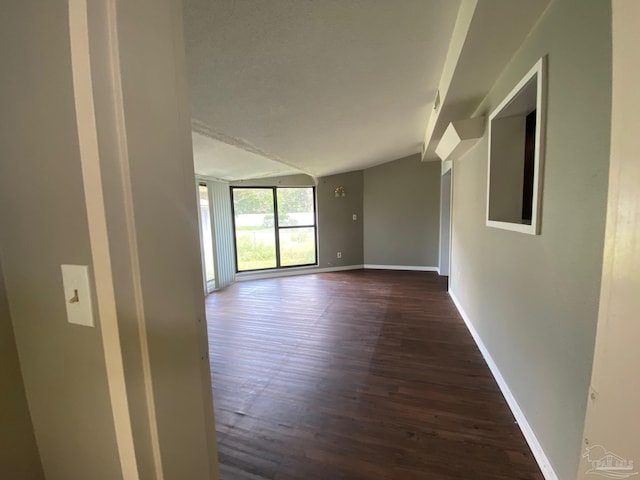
point(364, 374)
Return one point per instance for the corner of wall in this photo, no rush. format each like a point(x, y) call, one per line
point(20, 456)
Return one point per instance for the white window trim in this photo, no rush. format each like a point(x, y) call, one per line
point(538, 69)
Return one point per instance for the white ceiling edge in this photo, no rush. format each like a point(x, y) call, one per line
point(479, 33)
point(222, 156)
point(226, 161)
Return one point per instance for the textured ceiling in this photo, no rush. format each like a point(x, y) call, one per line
point(322, 86)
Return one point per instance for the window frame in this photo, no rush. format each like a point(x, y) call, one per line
point(209, 285)
point(539, 73)
point(276, 226)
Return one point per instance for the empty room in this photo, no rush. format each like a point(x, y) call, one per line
point(283, 240)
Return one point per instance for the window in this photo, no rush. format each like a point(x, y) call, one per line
point(206, 237)
point(516, 143)
point(274, 227)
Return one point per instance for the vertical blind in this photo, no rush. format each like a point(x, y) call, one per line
point(222, 234)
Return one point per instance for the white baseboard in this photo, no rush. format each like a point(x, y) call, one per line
point(527, 431)
point(288, 272)
point(402, 267)
point(241, 277)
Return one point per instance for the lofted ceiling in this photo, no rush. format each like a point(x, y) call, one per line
point(313, 86)
point(485, 38)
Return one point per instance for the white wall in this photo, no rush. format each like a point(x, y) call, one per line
point(612, 419)
point(152, 218)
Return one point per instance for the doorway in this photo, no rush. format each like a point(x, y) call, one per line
point(445, 223)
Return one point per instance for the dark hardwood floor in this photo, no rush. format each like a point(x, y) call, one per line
point(355, 375)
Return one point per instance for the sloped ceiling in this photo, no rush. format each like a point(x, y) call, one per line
point(315, 86)
point(485, 38)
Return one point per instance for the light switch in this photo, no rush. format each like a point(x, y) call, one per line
point(355, 217)
point(77, 294)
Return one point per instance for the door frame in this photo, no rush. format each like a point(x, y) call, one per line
point(446, 219)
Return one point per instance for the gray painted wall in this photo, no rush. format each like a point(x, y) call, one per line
point(534, 299)
point(397, 214)
point(19, 458)
point(44, 224)
point(402, 213)
point(337, 230)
